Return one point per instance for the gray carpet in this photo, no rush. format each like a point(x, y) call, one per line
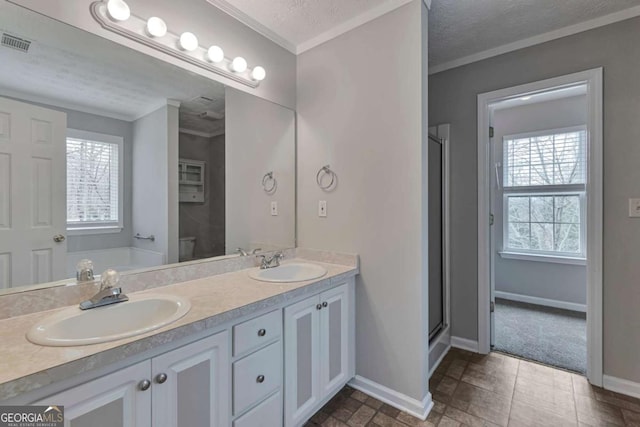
point(548, 335)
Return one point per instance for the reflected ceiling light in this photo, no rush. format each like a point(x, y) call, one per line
point(239, 64)
point(156, 27)
point(215, 54)
point(188, 41)
point(258, 73)
point(118, 10)
point(525, 98)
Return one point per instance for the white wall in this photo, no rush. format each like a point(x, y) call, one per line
point(260, 137)
point(211, 25)
point(453, 99)
point(360, 109)
point(560, 282)
point(155, 181)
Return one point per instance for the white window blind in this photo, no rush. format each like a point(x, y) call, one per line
point(544, 193)
point(93, 183)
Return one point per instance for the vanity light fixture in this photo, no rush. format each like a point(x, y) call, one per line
point(116, 16)
point(239, 64)
point(215, 54)
point(156, 27)
point(118, 10)
point(258, 73)
point(188, 41)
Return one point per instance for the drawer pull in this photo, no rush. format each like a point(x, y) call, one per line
point(324, 304)
point(262, 332)
point(161, 378)
point(144, 385)
point(319, 307)
point(260, 379)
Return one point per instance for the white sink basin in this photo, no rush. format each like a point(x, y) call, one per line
point(141, 314)
point(289, 272)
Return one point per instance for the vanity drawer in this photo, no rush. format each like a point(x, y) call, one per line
point(254, 333)
point(256, 376)
point(266, 414)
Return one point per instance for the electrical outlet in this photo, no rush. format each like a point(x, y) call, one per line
point(322, 208)
point(634, 208)
point(274, 208)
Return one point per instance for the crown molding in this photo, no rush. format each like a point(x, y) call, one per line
point(352, 23)
point(256, 26)
point(334, 32)
point(541, 38)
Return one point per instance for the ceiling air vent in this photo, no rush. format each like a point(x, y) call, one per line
point(15, 42)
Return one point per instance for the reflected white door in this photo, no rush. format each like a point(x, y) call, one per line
point(32, 194)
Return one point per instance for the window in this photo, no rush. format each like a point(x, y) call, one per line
point(94, 182)
point(544, 193)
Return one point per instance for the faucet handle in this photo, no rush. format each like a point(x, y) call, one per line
point(109, 278)
point(84, 270)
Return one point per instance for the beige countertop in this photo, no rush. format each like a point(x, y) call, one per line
point(215, 300)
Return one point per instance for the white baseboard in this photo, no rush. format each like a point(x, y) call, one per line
point(464, 344)
point(419, 409)
point(621, 386)
point(542, 301)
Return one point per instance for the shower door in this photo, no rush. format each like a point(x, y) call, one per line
point(436, 212)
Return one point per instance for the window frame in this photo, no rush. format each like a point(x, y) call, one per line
point(89, 228)
point(544, 190)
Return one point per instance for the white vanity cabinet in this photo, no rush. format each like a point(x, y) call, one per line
point(318, 351)
point(184, 387)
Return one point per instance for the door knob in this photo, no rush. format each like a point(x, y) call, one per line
point(59, 238)
point(144, 385)
point(161, 378)
point(262, 332)
point(260, 379)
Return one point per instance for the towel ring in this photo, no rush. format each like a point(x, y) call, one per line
point(325, 170)
point(269, 183)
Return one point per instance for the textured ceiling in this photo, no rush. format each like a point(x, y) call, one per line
point(68, 67)
point(458, 28)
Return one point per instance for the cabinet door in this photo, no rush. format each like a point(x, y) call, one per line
point(191, 384)
point(334, 339)
point(114, 400)
point(301, 358)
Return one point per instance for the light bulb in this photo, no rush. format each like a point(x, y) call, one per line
point(188, 41)
point(239, 64)
point(118, 10)
point(215, 54)
point(258, 73)
point(156, 27)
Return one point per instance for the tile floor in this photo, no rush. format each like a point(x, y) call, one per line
point(487, 390)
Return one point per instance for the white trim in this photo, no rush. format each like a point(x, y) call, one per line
point(332, 33)
point(621, 386)
point(439, 361)
point(555, 259)
point(593, 80)
point(419, 409)
point(351, 24)
point(541, 38)
point(464, 344)
point(255, 25)
point(542, 301)
point(202, 134)
point(428, 4)
point(87, 231)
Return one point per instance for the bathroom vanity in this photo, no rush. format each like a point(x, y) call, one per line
point(248, 353)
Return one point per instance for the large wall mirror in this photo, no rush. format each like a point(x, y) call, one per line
point(112, 155)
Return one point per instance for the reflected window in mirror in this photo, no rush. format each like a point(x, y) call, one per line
point(94, 182)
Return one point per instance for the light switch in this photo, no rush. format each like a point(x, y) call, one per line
point(274, 208)
point(634, 208)
point(322, 208)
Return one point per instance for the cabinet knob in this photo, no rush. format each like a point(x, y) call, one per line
point(260, 379)
point(324, 304)
point(144, 385)
point(262, 332)
point(319, 306)
point(161, 378)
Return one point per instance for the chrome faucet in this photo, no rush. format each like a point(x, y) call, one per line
point(242, 252)
point(108, 293)
point(84, 271)
point(272, 261)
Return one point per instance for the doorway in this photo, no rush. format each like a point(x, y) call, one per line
point(539, 222)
